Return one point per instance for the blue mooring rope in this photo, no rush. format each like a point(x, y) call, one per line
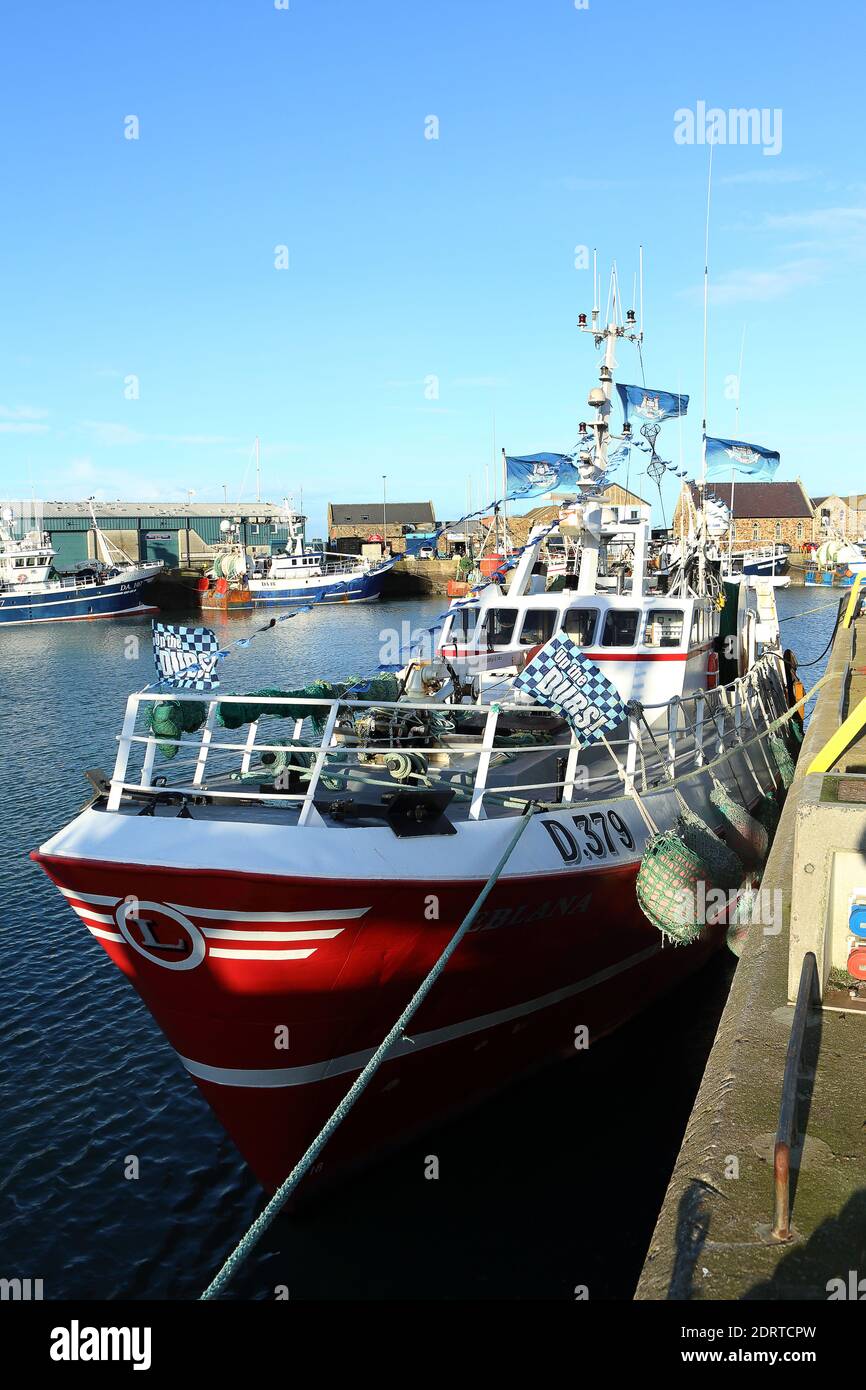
point(281, 1196)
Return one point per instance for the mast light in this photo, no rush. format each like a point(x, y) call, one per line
point(581, 320)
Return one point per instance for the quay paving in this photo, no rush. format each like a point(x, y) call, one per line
point(712, 1239)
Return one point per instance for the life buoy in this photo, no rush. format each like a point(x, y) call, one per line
point(21, 578)
point(712, 670)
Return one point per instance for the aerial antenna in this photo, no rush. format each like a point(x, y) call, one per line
point(640, 263)
point(706, 311)
point(595, 304)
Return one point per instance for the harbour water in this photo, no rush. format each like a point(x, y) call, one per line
point(554, 1184)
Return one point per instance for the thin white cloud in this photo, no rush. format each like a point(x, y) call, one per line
point(113, 435)
point(746, 286)
point(771, 175)
point(493, 382)
point(829, 222)
point(22, 412)
point(22, 427)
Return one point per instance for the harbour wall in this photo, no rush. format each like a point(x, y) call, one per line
point(713, 1236)
point(175, 589)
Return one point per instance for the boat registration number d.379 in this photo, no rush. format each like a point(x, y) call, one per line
point(596, 835)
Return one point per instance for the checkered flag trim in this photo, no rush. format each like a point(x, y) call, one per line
point(186, 657)
point(562, 678)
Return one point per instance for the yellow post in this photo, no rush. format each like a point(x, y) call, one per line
point(835, 746)
point(852, 601)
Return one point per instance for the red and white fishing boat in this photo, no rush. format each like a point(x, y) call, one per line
point(276, 902)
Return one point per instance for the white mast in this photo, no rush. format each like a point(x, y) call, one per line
point(736, 436)
point(702, 558)
point(258, 472)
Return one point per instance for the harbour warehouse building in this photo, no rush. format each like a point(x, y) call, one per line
point(179, 533)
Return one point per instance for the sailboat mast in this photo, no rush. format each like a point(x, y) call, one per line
point(258, 471)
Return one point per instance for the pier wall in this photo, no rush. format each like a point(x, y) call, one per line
point(712, 1239)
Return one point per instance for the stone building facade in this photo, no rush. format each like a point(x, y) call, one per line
point(351, 524)
point(846, 516)
point(764, 513)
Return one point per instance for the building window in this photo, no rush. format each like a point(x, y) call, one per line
point(778, 530)
point(755, 531)
point(799, 530)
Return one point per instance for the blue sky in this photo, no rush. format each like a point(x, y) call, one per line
point(412, 258)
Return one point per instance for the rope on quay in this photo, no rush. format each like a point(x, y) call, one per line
point(281, 1196)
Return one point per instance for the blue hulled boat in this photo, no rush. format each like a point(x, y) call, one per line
point(32, 592)
point(301, 575)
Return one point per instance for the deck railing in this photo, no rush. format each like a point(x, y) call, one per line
point(698, 728)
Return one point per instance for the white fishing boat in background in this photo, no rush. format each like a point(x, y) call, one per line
point(304, 575)
point(768, 563)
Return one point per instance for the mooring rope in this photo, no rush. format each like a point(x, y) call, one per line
point(302, 1167)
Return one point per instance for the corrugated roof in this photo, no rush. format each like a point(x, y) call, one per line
point(119, 508)
point(396, 513)
point(759, 501)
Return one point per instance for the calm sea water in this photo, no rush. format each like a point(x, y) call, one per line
point(555, 1183)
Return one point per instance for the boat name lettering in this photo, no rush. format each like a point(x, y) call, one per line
point(528, 913)
point(599, 835)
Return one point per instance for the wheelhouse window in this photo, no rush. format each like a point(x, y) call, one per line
point(664, 627)
point(461, 625)
point(620, 627)
point(538, 625)
point(497, 628)
point(580, 623)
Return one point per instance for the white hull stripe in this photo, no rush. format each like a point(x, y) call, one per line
point(335, 914)
point(222, 951)
point(354, 1061)
point(236, 953)
point(210, 914)
point(106, 935)
point(226, 934)
point(227, 954)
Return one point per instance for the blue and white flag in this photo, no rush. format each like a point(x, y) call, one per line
point(752, 459)
point(186, 657)
point(562, 678)
point(651, 405)
point(529, 475)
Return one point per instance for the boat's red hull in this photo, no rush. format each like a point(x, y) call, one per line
point(275, 1024)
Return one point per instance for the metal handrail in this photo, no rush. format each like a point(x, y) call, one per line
point(716, 718)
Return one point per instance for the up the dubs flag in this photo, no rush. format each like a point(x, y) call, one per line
point(186, 657)
point(561, 677)
point(651, 405)
point(752, 459)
